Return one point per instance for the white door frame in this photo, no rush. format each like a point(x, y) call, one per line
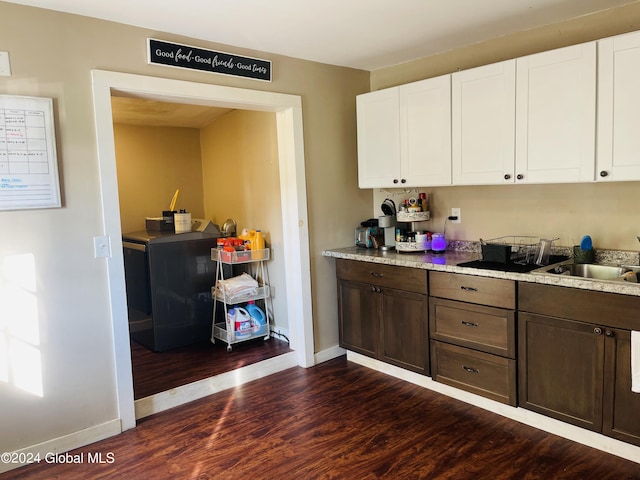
point(288, 109)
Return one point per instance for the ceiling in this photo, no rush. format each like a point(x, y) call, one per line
point(153, 113)
point(362, 34)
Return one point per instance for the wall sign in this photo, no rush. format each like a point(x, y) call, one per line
point(28, 161)
point(185, 56)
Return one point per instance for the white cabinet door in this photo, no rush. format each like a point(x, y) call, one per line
point(483, 119)
point(425, 132)
point(378, 138)
point(619, 108)
point(556, 115)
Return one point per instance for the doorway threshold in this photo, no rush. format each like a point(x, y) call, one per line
point(183, 394)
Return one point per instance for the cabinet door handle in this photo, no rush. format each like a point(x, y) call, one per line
point(470, 370)
point(468, 324)
point(468, 289)
point(519, 176)
point(597, 331)
point(507, 176)
point(608, 333)
point(604, 173)
point(404, 180)
point(376, 274)
point(395, 180)
point(375, 289)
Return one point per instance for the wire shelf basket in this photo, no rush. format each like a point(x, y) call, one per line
point(510, 249)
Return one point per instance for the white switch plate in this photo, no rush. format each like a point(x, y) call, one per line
point(5, 67)
point(101, 247)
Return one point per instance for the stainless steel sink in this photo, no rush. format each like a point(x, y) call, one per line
point(596, 271)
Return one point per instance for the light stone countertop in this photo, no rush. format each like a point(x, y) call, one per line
point(448, 262)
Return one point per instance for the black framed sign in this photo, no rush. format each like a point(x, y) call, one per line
point(160, 52)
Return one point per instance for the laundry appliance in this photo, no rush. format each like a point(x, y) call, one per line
point(168, 279)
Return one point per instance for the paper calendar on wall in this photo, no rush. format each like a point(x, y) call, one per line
point(28, 160)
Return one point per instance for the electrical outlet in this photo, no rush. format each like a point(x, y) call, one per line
point(456, 212)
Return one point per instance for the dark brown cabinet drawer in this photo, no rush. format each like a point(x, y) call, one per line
point(399, 278)
point(488, 329)
point(611, 309)
point(476, 372)
point(495, 292)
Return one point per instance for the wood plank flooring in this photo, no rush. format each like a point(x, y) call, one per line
point(338, 420)
point(155, 372)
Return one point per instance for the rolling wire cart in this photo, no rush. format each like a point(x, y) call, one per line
point(252, 286)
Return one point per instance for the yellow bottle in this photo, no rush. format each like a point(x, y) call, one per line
point(254, 239)
point(257, 241)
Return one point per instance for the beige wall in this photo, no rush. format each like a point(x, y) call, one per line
point(241, 172)
point(52, 55)
point(152, 163)
point(606, 211)
point(241, 179)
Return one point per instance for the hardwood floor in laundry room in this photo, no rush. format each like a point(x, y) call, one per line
point(337, 420)
point(155, 372)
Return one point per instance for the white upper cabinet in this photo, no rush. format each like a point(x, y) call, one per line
point(404, 135)
point(619, 108)
point(556, 115)
point(528, 120)
point(425, 132)
point(378, 138)
point(483, 124)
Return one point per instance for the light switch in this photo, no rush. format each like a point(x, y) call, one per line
point(101, 247)
point(5, 67)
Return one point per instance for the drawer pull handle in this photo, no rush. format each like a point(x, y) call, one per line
point(468, 324)
point(376, 274)
point(468, 289)
point(470, 370)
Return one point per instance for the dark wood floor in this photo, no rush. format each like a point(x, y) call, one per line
point(337, 420)
point(157, 372)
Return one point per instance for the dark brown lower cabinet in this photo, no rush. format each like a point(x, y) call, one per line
point(578, 371)
point(359, 317)
point(561, 369)
point(381, 321)
point(621, 406)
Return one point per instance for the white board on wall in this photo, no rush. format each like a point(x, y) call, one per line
point(28, 160)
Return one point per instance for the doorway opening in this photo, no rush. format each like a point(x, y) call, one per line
point(293, 203)
point(222, 164)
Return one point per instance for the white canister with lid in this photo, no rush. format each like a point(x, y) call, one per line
point(423, 241)
point(182, 222)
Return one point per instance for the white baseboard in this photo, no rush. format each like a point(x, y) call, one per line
point(541, 422)
point(202, 388)
point(65, 443)
point(329, 354)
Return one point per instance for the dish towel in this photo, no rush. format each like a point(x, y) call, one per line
point(635, 361)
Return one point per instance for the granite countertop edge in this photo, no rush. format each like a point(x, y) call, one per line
point(449, 260)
